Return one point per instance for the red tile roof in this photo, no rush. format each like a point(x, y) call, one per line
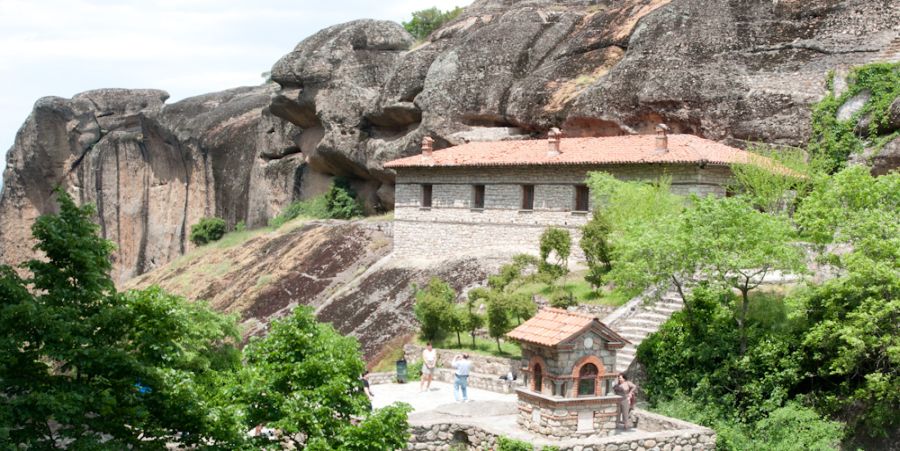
point(578, 151)
point(552, 326)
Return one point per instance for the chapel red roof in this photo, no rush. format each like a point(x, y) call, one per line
point(552, 326)
point(629, 149)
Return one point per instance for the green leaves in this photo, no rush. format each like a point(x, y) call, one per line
point(207, 231)
point(434, 307)
point(425, 21)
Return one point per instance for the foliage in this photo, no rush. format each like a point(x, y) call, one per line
point(473, 319)
point(498, 320)
point(456, 321)
point(340, 200)
point(207, 231)
point(241, 226)
point(432, 307)
point(424, 22)
point(302, 379)
point(558, 242)
point(384, 430)
point(124, 370)
point(520, 306)
point(562, 298)
point(773, 179)
point(512, 272)
point(835, 140)
point(510, 444)
point(595, 244)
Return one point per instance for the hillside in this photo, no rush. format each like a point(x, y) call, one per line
point(341, 269)
point(355, 95)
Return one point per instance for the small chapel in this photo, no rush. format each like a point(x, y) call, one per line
point(569, 361)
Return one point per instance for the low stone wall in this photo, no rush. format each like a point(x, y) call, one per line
point(483, 381)
point(591, 420)
point(685, 437)
point(382, 378)
point(481, 364)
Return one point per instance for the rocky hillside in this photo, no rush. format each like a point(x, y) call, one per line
point(355, 95)
point(341, 269)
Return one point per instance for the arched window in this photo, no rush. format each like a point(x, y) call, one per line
point(538, 378)
point(587, 380)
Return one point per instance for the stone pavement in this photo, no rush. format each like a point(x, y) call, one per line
point(439, 397)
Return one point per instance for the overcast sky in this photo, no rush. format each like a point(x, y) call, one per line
point(186, 47)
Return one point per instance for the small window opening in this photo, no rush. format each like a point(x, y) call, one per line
point(426, 195)
point(527, 197)
point(478, 196)
point(581, 198)
point(587, 379)
point(538, 378)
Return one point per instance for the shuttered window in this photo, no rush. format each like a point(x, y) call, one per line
point(478, 196)
point(527, 197)
point(426, 195)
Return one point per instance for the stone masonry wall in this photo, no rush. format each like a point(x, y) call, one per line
point(495, 366)
point(502, 227)
point(683, 436)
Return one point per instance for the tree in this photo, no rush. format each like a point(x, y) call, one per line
point(773, 179)
point(520, 306)
point(302, 379)
point(207, 231)
point(432, 307)
point(340, 200)
point(498, 318)
point(595, 244)
point(456, 321)
point(84, 366)
point(474, 320)
point(559, 242)
point(425, 21)
point(738, 246)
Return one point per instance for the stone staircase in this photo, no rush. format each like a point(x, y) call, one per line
point(636, 320)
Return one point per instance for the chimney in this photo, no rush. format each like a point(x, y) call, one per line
point(427, 147)
point(554, 136)
point(662, 141)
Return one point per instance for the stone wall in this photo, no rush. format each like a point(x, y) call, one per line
point(593, 417)
point(682, 436)
point(502, 226)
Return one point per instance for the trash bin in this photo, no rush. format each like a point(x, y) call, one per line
point(401, 371)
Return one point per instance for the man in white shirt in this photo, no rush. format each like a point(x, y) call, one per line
point(429, 363)
point(463, 366)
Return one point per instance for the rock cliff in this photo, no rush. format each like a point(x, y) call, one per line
point(355, 95)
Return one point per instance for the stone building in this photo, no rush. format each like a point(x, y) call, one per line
point(496, 198)
point(569, 362)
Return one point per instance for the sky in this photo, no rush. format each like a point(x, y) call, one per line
point(186, 47)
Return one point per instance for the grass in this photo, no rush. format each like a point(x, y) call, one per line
point(388, 360)
point(483, 346)
point(574, 282)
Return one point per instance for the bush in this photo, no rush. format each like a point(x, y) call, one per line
point(432, 307)
point(557, 241)
point(207, 231)
point(425, 21)
point(562, 298)
point(340, 200)
point(509, 444)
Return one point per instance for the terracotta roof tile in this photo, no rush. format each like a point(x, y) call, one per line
point(577, 151)
point(552, 326)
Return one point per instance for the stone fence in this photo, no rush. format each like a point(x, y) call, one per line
point(476, 380)
point(656, 433)
point(486, 365)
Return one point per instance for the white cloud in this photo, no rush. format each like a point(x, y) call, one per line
point(187, 47)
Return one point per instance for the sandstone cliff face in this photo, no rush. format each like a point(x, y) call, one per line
point(355, 95)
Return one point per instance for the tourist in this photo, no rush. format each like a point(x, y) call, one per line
point(462, 365)
point(364, 381)
point(626, 389)
point(429, 363)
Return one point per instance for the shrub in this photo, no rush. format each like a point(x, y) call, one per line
point(595, 244)
point(425, 21)
point(509, 444)
point(432, 307)
point(207, 231)
point(558, 241)
point(312, 208)
point(562, 298)
point(340, 200)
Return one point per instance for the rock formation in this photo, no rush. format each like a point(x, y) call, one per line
point(355, 95)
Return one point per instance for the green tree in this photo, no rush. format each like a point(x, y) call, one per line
point(340, 200)
point(207, 231)
point(595, 244)
point(475, 320)
point(498, 318)
point(302, 379)
point(456, 321)
point(558, 242)
point(774, 178)
point(432, 307)
point(521, 306)
point(424, 22)
point(104, 369)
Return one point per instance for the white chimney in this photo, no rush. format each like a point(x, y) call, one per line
point(662, 141)
point(554, 136)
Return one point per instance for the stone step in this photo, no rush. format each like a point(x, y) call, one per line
point(643, 322)
point(665, 309)
point(659, 318)
point(636, 330)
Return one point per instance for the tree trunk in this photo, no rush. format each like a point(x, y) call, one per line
point(745, 307)
point(498, 346)
point(473, 339)
point(458, 340)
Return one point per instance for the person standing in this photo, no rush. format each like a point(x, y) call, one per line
point(626, 389)
point(429, 363)
point(463, 366)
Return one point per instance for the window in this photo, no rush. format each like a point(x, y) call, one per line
point(581, 198)
point(527, 197)
point(587, 379)
point(478, 196)
point(538, 378)
point(426, 195)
